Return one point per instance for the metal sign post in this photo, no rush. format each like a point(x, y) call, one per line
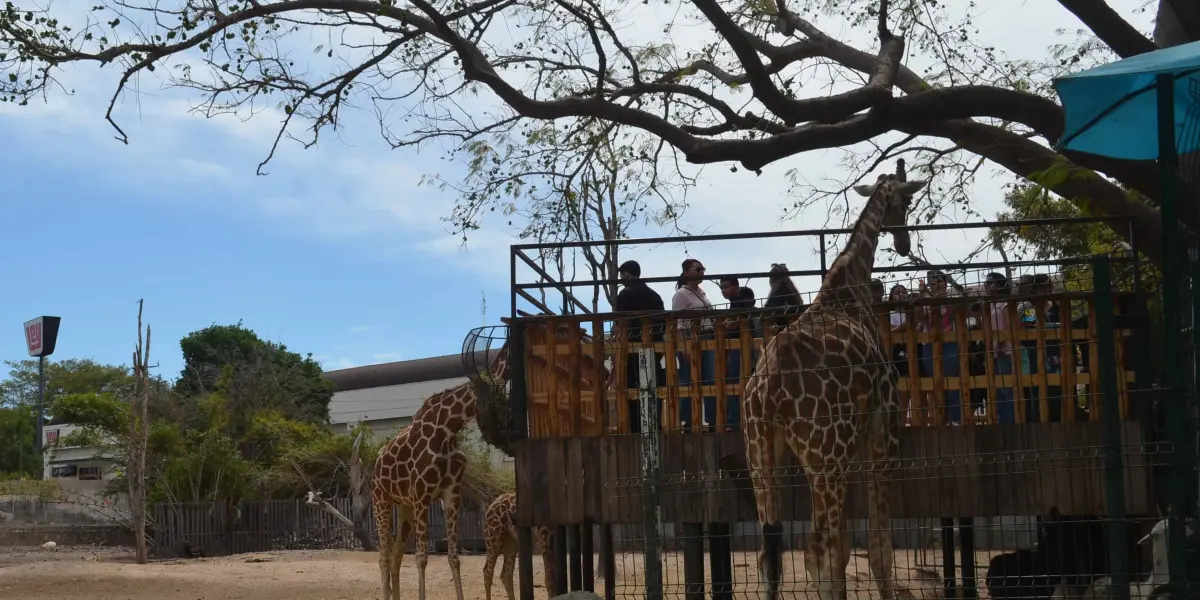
point(41, 334)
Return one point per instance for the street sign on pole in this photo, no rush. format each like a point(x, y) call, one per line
point(41, 334)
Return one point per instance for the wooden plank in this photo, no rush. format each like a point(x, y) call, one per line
point(989, 362)
point(670, 414)
point(596, 414)
point(556, 472)
point(571, 412)
point(1068, 361)
point(966, 414)
point(574, 481)
point(1039, 310)
point(722, 376)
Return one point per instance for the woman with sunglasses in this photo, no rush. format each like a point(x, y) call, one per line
point(691, 297)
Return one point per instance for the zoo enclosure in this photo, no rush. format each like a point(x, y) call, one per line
point(581, 458)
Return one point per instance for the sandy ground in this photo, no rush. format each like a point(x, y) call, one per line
point(110, 574)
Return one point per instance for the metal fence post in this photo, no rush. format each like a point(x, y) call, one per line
point(515, 347)
point(1110, 414)
point(1175, 393)
point(651, 507)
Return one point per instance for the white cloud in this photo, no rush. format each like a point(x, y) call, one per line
point(387, 356)
point(334, 363)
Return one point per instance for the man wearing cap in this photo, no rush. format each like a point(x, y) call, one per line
point(638, 297)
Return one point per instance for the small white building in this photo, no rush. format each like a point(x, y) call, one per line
point(386, 396)
point(81, 469)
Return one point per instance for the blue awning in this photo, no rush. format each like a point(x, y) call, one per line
point(1111, 110)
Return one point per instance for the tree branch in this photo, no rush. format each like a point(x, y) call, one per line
point(1114, 31)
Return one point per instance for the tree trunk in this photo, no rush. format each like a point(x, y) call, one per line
point(138, 434)
point(360, 499)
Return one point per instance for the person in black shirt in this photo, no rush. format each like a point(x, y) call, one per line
point(738, 296)
point(638, 297)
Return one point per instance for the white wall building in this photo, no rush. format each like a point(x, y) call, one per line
point(386, 396)
point(82, 469)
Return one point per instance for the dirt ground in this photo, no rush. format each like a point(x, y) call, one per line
point(111, 574)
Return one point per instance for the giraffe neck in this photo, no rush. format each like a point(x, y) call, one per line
point(849, 277)
point(449, 410)
point(452, 409)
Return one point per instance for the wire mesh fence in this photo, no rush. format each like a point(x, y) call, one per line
point(1016, 457)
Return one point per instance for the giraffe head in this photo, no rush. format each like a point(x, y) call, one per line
point(892, 194)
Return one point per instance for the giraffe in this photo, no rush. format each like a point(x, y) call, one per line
point(423, 464)
point(825, 389)
point(500, 538)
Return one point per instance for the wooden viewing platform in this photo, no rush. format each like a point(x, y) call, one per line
point(581, 461)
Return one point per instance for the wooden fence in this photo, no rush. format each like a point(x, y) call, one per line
point(222, 529)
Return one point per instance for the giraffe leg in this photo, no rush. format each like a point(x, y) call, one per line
point(761, 457)
point(826, 558)
point(879, 534)
point(383, 528)
point(506, 572)
point(545, 541)
point(450, 505)
point(489, 571)
point(404, 530)
point(884, 446)
point(420, 521)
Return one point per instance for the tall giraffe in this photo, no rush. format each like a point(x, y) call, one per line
point(423, 464)
point(500, 539)
point(826, 389)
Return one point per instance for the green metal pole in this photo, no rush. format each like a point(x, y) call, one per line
point(1175, 395)
point(1110, 413)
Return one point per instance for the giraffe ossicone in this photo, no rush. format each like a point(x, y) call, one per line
point(826, 390)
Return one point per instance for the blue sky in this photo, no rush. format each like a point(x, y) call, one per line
point(338, 251)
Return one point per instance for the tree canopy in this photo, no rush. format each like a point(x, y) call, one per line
point(254, 374)
point(63, 378)
point(598, 113)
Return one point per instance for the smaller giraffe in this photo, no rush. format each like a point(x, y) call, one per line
point(500, 538)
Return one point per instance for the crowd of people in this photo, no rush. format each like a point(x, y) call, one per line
point(987, 305)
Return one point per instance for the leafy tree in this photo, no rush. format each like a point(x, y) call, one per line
point(252, 375)
point(576, 85)
point(65, 377)
point(18, 452)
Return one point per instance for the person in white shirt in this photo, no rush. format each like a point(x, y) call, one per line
point(691, 297)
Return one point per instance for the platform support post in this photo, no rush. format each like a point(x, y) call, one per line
point(1110, 415)
point(650, 459)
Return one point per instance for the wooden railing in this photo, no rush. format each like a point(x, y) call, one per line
point(579, 397)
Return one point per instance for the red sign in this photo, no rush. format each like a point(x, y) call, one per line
point(41, 334)
point(51, 436)
point(33, 336)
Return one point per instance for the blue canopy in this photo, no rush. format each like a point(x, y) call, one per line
point(1111, 110)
